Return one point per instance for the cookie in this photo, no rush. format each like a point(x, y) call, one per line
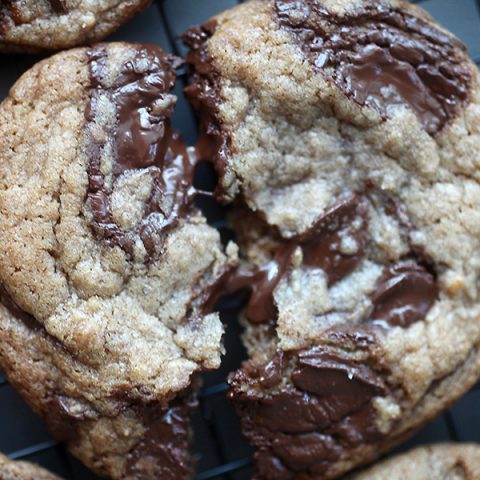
point(10, 470)
point(36, 25)
point(347, 133)
point(106, 266)
point(437, 462)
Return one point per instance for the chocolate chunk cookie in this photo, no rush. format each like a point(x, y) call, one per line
point(348, 133)
point(106, 267)
point(437, 462)
point(36, 25)
point(10, 470)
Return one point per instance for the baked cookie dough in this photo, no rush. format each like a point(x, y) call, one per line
point(347, 132)
point(106, 267)
point(436, 462)
point(36, 25)
point(10, 470)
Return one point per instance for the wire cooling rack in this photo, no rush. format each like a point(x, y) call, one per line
point(221, 451)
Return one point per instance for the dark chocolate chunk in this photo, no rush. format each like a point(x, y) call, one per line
point(292, 411)
point(381, 56)
point(360, 338)
point(324, 409)
point(307, 451)
point(322, 244)
point(339, 376)
point(272, 373)
point(404, 295)
point(163, 450)
point(143, 139)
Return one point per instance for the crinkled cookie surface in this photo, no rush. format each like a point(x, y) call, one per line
point(10, 470)
point(36, 25)
point(105, 264)
point(347, 132)
point(436, 462)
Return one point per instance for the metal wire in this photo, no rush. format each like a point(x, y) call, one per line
point(27, 452)
point(225, 468)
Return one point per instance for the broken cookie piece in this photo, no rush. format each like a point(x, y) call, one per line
point(435, 462)
point(11, 470)
point(346, 135)
point(28, 26)
point(105, 262)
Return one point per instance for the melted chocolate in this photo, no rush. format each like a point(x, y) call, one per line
point(353, 383)
point(262, 284)
point(330, 393)
point(271, 374)
point(163, 450)
point(380, 56)
point(203, 93)
point(142, 139)
point(322, 245)
point(404, 295)
point(322, 248)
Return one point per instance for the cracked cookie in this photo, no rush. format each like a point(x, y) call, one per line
point(436, 462)
point(347, 133)
point(36, 25)
point(106, 267)
point(10, 470)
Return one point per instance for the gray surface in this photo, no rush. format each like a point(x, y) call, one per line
point(219, 444)
point(461, 17)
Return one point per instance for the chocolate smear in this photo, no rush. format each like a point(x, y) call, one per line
point(322, 243)
point(203, 93)
point(381, 56)
point(404, 295)
point(306, 425)
point(322, 247)
point(142, 139)
point(163, 450)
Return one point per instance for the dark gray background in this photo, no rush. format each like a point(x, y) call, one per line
point(221, 451)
